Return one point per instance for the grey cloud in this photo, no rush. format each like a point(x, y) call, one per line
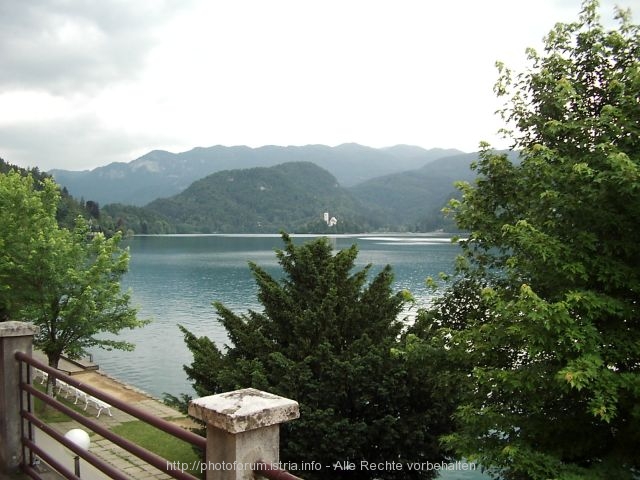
point(74, 144)
point(61, 46)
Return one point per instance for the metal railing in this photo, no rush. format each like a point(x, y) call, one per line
point(31, 421)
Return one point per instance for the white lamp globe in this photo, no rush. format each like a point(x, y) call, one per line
point(79, 437)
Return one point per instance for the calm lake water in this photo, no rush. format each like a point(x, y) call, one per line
point(174, 280)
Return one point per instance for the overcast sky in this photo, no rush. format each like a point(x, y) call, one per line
point(87, 82)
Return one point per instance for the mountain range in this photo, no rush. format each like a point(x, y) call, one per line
point(161, 174)
point(268, 189)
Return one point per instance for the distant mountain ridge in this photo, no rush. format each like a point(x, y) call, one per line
point(415, 198)
point(162, 174)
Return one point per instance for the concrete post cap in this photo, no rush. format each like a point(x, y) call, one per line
point(12, 328)
point(243, 410)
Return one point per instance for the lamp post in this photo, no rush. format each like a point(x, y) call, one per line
point(81, 439)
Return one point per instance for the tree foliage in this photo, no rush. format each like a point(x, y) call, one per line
point(136, 220)
point(67, 209)
point(546, 311)
point(67, 282)
point(330, 339)
point(27, 216)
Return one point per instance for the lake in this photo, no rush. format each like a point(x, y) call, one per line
point(175, 278)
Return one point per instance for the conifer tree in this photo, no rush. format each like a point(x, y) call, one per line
point(330, 338)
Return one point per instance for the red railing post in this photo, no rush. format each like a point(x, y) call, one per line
point(243, 430)
point(14, 337)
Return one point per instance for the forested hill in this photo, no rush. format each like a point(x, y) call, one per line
point(291, 196)
point(161, 174)
point(414, 199)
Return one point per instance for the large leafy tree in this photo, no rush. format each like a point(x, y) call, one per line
point(330, 338)
point(27, 215)
point(67, 282)
point(545, 313)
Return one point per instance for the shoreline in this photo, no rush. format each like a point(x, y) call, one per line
point(84, 368)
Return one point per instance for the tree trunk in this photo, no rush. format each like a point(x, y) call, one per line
point(54, 359)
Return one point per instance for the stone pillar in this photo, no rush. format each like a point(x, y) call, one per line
point(14, 337)
point(243, 427)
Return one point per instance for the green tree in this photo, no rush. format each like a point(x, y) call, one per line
point(93, 209)
point(545, 312)
point(330, 339)
point(67, 282)
point(27, 215)
point(67, 208)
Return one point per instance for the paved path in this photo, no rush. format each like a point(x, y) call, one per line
point(103, 448)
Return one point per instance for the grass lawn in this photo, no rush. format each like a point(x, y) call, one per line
point(160, 443)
